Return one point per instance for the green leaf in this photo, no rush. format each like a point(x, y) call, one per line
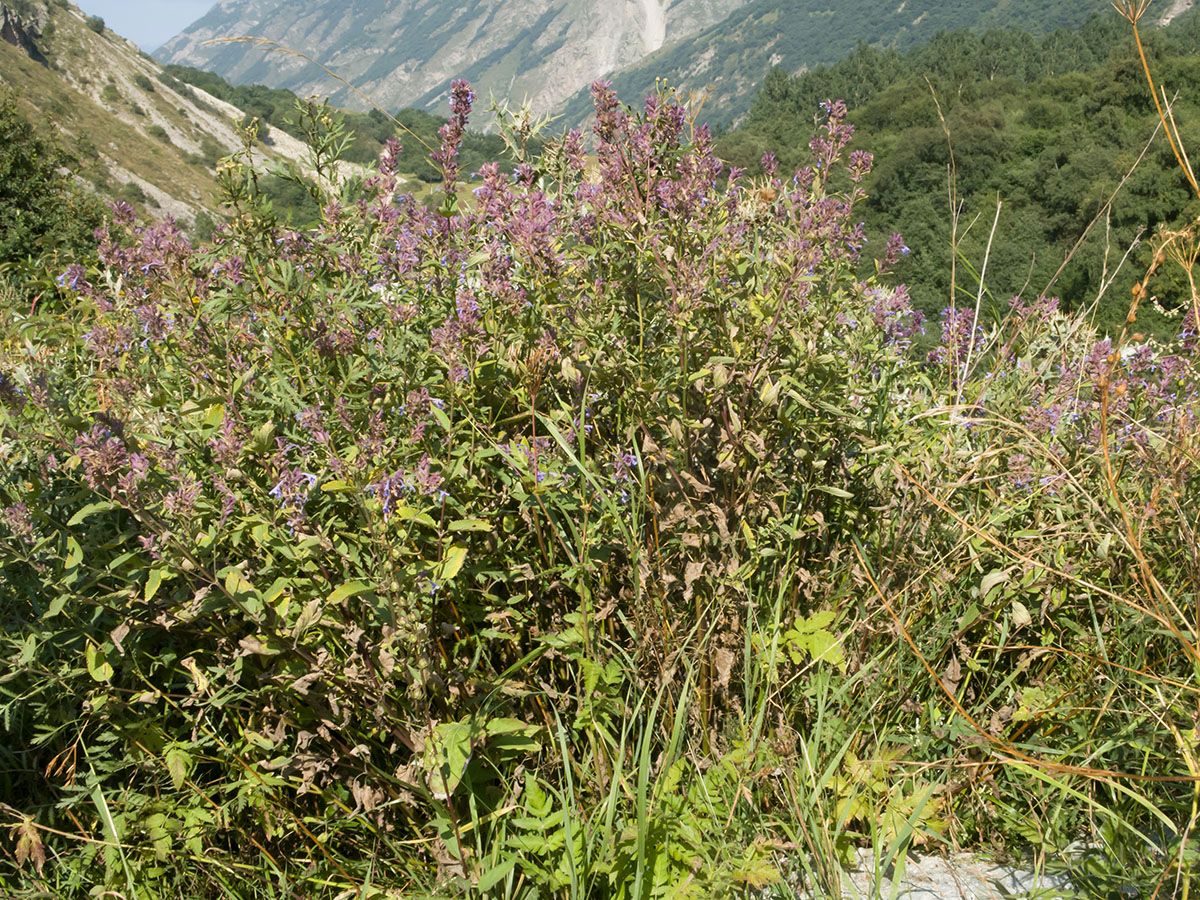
point(152, 583)
point(835, 492)
point(508, 726)
point(337, 487)
point(453, 562)
point(74, 555)
point(237, 585)
point(178, 762)
point(990, 581)
point(441, 417)
point(28, 649)
point(276, 589)
point(97, 663)
point(471, 525)
point(90, 510)
point(408, 514)
point(495, 875)
point(215, 415)
point(447, 753)
point(812, 637)
point(56, 605)
point(349, 589)
point(261, 442)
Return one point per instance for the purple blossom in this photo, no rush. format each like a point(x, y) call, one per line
point(11, 395)
point(102, 456)
point(19, 520)
point(181, 501)
point(446, 156)
point(894, 251)
point(422, 481)
point(292, 491)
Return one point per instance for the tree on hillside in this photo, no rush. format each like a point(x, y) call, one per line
point(42, 210)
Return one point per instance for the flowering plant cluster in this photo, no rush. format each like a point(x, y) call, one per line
point(339, 508)
point(351, 476)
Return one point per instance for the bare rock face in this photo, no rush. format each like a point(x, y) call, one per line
point(406, 52)
point(20, 27)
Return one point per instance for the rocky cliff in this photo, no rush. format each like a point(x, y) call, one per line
point(405, 52)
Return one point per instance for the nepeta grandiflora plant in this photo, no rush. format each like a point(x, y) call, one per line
point(293, 499)
point(313, 519)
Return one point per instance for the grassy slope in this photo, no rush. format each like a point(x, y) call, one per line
point(162, 141)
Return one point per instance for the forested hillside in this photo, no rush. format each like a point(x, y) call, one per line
point(731, 58)
point(1048, 126)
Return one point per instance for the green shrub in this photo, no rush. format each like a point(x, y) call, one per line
point(144, 83)
point(203, 227)
point(41, 210)
point(157, 131)
point(131, 192)
point(109, 93)
point(210, 151)
point(543, 387)
point(95, 23)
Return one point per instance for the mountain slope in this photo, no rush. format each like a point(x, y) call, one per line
point(143, 137)
point(406, 52)
point(731, 57)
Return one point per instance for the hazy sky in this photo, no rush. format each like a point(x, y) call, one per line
point(148, 23)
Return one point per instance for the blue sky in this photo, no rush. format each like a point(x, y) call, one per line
point(148, 23)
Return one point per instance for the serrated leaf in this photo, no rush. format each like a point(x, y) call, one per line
point(757, 873)
point(178, 761)
point(90, 510)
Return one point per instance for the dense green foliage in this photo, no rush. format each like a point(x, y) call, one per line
point(1050, 126)
point(43, 212)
